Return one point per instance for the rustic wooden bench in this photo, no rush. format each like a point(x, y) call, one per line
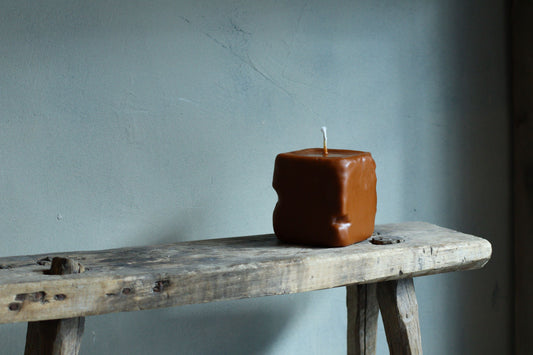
point(53, 292)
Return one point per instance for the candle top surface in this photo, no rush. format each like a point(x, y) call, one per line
point(332, 153)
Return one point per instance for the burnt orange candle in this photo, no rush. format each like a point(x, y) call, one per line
point(325, 197)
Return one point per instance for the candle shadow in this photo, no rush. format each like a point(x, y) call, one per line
point(248, 326)
point(170, 228)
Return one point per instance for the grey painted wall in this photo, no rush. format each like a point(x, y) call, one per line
point(135, 122)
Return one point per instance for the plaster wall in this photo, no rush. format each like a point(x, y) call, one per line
point(140, 122)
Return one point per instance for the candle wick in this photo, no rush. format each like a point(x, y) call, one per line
point(325, 137)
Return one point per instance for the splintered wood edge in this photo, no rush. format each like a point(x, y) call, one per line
point(427, 249)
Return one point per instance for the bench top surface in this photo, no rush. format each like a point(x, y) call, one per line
point(130, 279)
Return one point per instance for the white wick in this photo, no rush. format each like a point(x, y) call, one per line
point(325, 136)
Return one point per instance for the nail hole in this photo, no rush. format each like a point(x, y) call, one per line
point(32, 297)
point(161, 285)
point(14, 306)
point(60, 297)
point(38, 296)
point(382, 240)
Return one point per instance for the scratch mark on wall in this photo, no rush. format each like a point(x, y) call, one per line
point(193, 103)
point(248, 61)
point(295, 32)
point(185, 19)
point(186, 100)
point(215, 40)
point(238, 28)
point(243, 56)
point(301, 15)
point(252, 65)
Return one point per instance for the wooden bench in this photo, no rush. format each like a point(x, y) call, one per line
point(53, 292)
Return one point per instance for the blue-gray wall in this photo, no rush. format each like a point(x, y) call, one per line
point(139, 122)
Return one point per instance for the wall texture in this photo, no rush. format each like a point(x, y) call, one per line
point(134, 122)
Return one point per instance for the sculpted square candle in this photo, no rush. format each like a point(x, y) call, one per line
point(325, 198)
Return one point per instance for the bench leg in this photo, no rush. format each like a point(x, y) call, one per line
point(57, 337)
point(362, 319)
point(399, 309)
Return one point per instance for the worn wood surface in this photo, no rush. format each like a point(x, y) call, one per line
point(132, 279)
point(363, 311)
point(399, 309)
point(522, 80)
point(56, 336)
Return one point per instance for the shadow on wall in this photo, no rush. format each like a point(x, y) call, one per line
point(460, 159)
point(230, 327)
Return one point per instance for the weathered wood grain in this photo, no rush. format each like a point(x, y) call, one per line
point(132, 279)
point(56, 336)
point(363, 311)
point(399, 309)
